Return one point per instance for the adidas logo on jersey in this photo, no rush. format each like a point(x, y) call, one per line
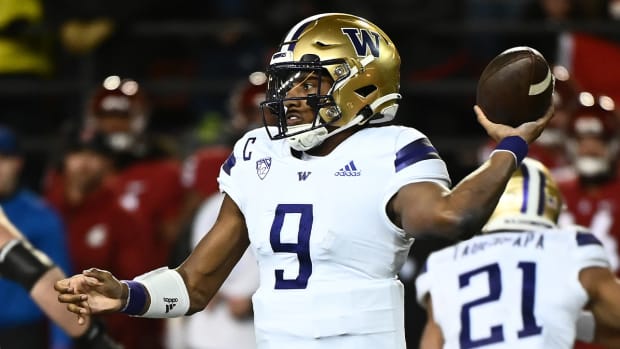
point(349, 170)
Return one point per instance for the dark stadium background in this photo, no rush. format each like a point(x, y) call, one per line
point(189, 54)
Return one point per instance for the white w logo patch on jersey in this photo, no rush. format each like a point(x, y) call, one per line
point(363, 41)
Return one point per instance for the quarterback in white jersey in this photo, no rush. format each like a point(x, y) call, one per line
point(524, 283)
point(328, 197)
point(345, 267)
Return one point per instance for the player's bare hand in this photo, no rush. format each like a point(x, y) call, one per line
point(92, 292)
point(529, 131)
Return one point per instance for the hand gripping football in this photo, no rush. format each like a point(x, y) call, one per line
point(515, 87)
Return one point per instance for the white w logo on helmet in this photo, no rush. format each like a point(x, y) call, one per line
point(363, 41)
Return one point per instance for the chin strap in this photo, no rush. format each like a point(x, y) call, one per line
point(307, 140)
point(310, 139)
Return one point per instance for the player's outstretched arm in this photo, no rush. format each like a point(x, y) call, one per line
point(432, 338)
point(603, 287)
point(426, 208)
point(208, 266)
point(164, 292)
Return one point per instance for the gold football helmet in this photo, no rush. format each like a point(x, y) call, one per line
point(531, 200)
point(361, 60)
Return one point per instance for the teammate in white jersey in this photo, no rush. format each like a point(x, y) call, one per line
point(329, 205)
point(524, 282)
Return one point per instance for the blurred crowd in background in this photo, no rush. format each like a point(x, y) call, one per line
point(115, 116)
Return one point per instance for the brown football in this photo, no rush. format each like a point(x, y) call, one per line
point(515, 87)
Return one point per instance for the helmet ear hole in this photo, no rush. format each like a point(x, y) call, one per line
point(309, 57)
point(366, 90)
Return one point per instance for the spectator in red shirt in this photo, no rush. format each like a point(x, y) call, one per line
point(101, 232)
point(592, 197)
point(149, 176)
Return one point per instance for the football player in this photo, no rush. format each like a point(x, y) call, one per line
point(493, 290)
point(329, 203)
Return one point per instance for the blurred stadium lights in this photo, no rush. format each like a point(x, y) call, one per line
point(193, 29)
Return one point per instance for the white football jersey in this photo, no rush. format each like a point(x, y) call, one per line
point(328, 254)
point(510, 289)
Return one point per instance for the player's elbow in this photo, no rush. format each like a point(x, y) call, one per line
point(198, 299)
point(198, 296)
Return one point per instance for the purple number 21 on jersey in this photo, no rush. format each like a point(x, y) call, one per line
point(528, 289)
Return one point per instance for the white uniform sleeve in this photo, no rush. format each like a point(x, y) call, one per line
point(589, 251)
point(416, 160)
point(229, 179)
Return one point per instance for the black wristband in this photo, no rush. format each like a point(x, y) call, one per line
point(22, 263)
point(96, 338)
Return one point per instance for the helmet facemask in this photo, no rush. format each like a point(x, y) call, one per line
point(287, 76)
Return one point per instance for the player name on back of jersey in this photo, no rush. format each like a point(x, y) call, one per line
point(534, 240)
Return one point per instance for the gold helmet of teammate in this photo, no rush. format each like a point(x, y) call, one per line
point(531, 200)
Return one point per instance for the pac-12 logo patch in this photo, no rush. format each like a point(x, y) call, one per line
point(262, 167)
